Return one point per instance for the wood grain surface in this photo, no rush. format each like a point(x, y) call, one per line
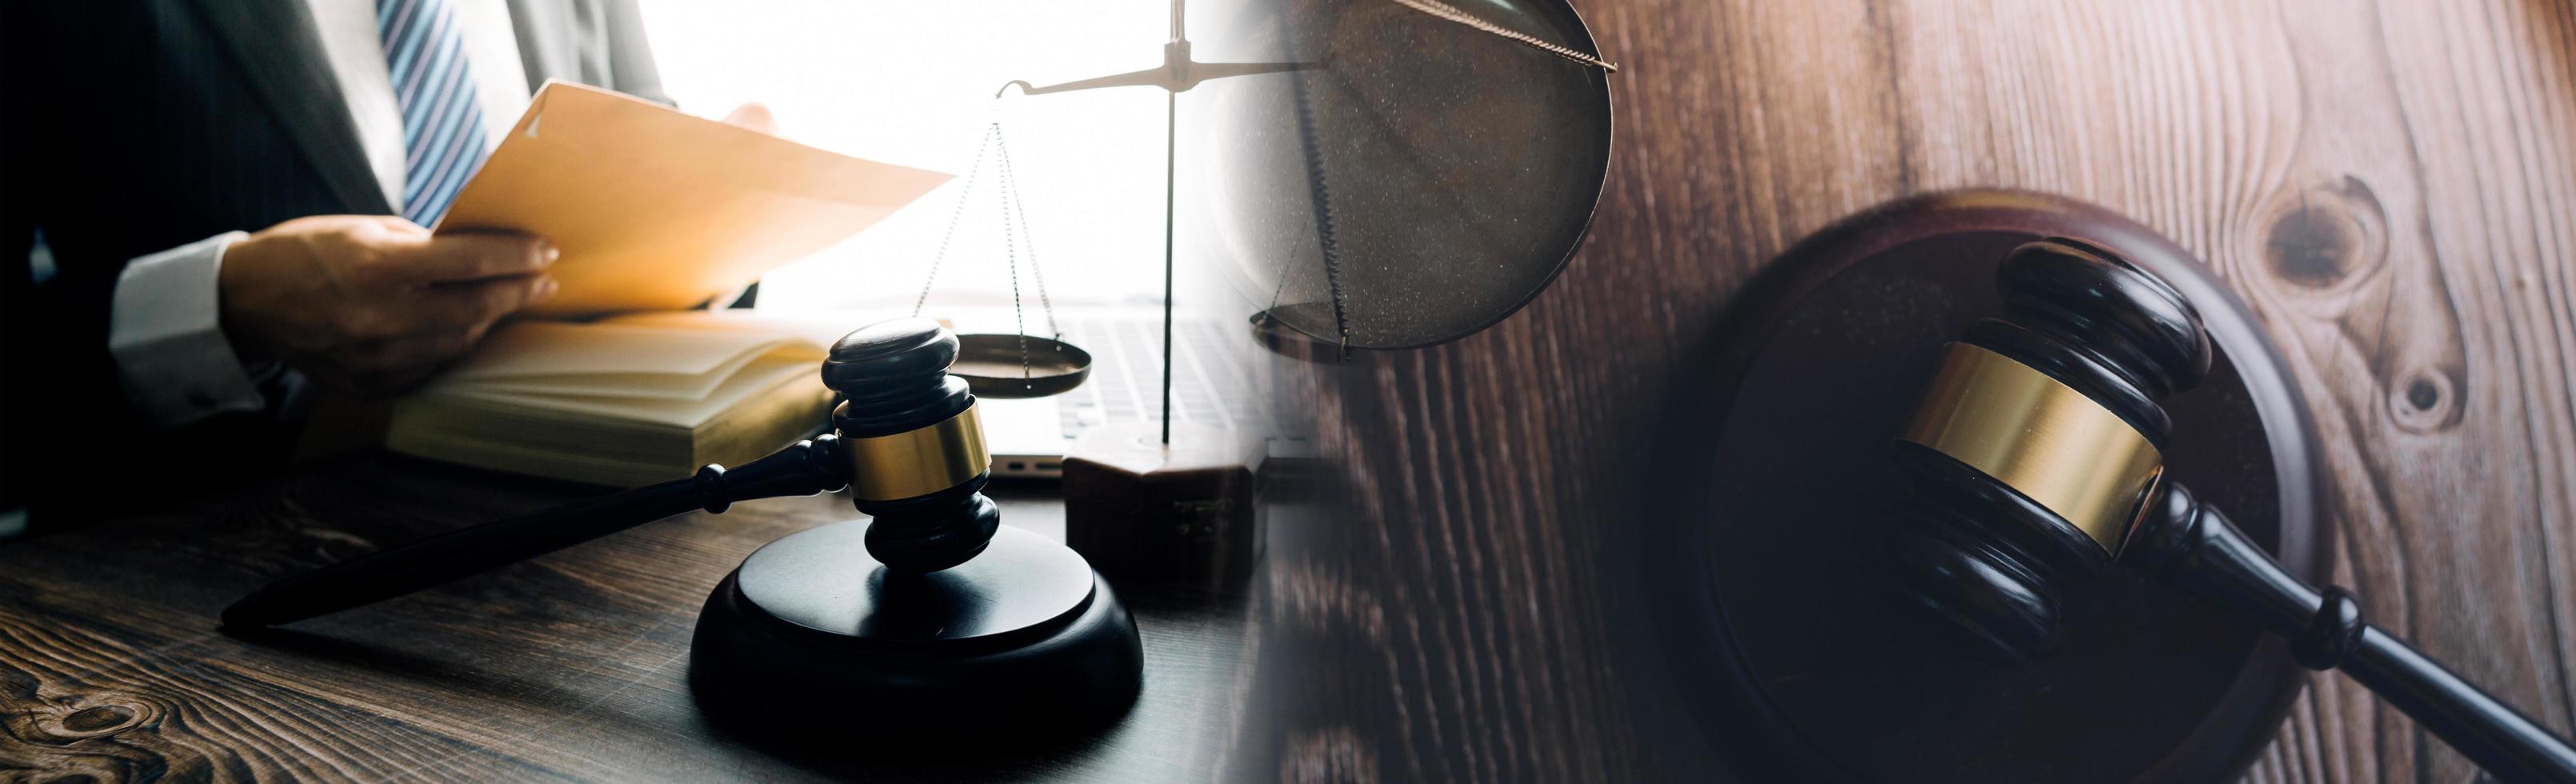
point(570, 667)
point(2390, 185)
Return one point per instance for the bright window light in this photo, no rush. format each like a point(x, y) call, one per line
point(913, 84)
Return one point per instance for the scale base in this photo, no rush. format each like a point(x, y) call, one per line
point(813, 637)
point(1188, 512)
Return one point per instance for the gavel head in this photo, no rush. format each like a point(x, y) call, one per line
point(915, 445)
point(2038, 444)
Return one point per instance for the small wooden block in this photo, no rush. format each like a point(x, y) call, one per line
point(1186, 512)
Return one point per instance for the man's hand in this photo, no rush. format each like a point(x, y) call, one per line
point(373, 305)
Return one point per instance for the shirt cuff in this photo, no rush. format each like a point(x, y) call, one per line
point(166, 332)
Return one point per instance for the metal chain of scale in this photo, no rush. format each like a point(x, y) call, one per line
point(1451, 13)
point(1013, 216)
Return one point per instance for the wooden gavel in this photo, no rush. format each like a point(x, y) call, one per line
point(2036, 459)
point(927, 616)
point(906, 442)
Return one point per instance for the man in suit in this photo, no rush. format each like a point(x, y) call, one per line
point(226, 201)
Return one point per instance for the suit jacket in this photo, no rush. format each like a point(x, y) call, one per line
point(128, 127)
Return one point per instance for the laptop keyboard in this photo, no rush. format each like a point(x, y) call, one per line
point(1210, 384)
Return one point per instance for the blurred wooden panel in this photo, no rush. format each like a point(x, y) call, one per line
point(2390, 185)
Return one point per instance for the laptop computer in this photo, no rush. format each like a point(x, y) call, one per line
point(1211, 381)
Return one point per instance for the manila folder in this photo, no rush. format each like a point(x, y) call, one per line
point(658, 210)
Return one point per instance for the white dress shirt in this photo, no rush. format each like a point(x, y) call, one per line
point(165, 326)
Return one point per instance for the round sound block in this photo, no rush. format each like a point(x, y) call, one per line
point(812, 634)
point(1798, 662)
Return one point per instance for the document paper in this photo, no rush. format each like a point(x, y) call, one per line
point(658, 210)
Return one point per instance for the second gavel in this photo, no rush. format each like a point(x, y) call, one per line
point(928, 614)
point(2036, 459)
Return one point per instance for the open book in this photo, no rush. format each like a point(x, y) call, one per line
point(624, 401)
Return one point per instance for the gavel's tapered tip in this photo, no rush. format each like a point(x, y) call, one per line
point(252, 612)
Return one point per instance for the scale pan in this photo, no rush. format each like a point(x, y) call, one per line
point(995, 367)
point(1450, 173)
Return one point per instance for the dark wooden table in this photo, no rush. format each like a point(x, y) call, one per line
point(569, 667)
point(2391, 185)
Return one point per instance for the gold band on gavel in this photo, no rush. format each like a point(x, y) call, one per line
point(2041, 438)
point(920, 461)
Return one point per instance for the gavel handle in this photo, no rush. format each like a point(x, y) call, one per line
point(805, 468)
point(2193, 546)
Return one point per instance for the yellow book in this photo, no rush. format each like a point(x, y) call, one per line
point(624, 401)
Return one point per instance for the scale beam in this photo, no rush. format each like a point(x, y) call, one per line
point(1176, 75)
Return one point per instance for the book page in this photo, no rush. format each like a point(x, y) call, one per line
point(820, 330)
point(757, 376)
point(613, 360)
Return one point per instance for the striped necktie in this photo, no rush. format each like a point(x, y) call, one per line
point(442, 121)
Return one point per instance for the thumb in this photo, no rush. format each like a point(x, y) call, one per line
point(754, 115)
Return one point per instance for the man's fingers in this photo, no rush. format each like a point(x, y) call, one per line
point(474, 305)
point(476, 255)
point(755, 116)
